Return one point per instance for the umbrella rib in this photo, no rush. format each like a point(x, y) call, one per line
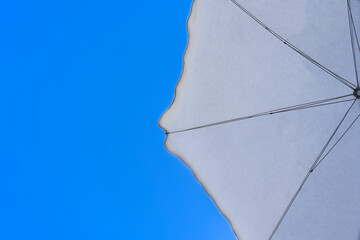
point(318, 103)
point(351, 28)
point(356, 35)
point(309, 172)
point(347, 130)
point(328, 71)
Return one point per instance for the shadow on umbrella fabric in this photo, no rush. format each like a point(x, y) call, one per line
point(266, 115)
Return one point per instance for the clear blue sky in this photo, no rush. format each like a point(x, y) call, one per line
point(83, 84)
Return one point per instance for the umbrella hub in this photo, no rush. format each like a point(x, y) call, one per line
point(357, 92)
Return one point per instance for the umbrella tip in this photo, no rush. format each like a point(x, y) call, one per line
point(357, 92)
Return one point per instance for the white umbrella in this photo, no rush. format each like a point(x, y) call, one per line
point(266, 115)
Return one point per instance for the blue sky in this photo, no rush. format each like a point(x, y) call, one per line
point(83, 84)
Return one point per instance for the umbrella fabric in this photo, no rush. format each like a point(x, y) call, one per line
point(266, 118)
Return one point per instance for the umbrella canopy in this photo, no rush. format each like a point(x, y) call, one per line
point(266, 115)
